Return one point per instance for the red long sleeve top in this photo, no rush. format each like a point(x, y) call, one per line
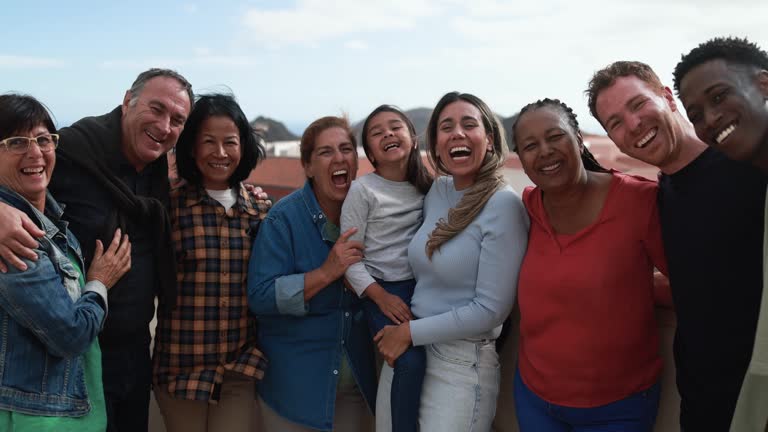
point(588, 331)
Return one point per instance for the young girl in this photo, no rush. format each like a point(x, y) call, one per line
point(386, 208)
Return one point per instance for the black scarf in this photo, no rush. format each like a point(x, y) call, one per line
point(94, 144)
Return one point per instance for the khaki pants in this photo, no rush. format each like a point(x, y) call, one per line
point(235, 411)
point(351, 415)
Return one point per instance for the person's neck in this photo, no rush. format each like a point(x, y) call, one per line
point(761, 162)
point(331, 209)
point(393, 172)
point(689, 149)
point(570, 196)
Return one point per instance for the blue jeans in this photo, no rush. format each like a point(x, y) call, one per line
point(636, 413)
point(405, 395)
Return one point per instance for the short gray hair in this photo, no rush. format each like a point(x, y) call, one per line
point(144, 77)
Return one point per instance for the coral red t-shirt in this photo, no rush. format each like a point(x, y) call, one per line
point(588, 331)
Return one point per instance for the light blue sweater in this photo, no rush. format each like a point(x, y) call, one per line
point(468, 288)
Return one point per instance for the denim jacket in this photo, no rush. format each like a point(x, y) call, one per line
point(304, 342)
point(47, 320)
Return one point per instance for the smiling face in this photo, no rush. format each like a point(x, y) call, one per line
point(332, 166)
point(217, 151)
point(549, 149)
point(727, 105)
point(641, 121)
point(28, 174)
point(388, 140)
point(153, 120)
point(462, 142)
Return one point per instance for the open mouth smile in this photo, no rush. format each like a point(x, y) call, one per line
point(646, 139)
point(340, 178)
point(725, 133)
point(391, 146)
point(460, 152)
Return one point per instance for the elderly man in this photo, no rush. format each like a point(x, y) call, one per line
point(723, 84)
point(711, 212)
point(112, 172)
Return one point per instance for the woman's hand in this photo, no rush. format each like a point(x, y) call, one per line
point(263, 203)
point(17, 238)
point(393, 341)
point(344, 253)
point(109, 266)
point(392, 306)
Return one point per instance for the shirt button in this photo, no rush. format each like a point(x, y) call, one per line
point(342, 341)
point(335, 372)
point(346, 314)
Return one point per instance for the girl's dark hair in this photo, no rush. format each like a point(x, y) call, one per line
point(21, 113)
point(587, 158)
point(211, 105)
point(416, 172)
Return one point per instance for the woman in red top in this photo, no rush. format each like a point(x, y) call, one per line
point(589, 355)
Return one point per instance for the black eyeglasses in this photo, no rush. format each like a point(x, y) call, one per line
point(20, 145)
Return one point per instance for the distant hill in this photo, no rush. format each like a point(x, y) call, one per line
point(272, 130)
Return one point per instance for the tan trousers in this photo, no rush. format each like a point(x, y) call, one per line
point(234, 413)
point(351, 415)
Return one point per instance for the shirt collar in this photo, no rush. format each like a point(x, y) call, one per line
point(196, 195)
point(315, 212)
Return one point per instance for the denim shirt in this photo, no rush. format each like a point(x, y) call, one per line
point(304, 342)
point(47, 321)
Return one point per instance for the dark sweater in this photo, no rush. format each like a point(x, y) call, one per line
point(712, 226)
point(90, 210)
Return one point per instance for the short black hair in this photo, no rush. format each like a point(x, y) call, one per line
point(731, 49)
point(251, 146)
point(21, 113)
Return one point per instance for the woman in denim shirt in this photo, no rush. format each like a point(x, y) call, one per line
point(50, 362)
point(321, 373)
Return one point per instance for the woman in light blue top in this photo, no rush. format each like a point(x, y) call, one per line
point(466, 257)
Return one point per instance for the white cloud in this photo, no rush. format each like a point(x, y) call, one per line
point(356, 45)
point(315, 20)
point(26, 62)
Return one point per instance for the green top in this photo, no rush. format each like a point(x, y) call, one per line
point(94, 421)
point(331, 231)
point(752, 407)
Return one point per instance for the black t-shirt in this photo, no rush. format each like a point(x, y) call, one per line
point(712, 225)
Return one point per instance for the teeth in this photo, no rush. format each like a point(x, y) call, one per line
point(552, 167)
point(725, 133)
point(390, 146)
point(153, 137)
point(646, 138)
point(37, 170)
point(459, 149)
point(340, 172)
point(215, 165)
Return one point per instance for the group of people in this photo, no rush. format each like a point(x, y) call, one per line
point(271, 318)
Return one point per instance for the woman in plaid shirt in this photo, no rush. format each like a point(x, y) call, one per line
point(206, 357)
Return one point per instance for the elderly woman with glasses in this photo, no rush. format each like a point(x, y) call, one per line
point(52, 312)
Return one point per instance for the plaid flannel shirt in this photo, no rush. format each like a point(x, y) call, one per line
point(211, 330)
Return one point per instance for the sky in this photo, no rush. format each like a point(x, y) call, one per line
point(296, 61)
